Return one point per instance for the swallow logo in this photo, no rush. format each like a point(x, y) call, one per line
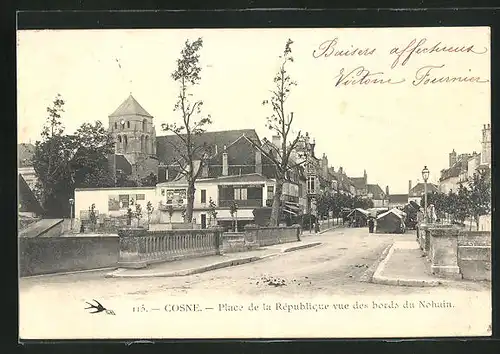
point(98, 308)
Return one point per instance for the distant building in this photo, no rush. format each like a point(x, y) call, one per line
point(416, 192)
point(25, 152)
point(397, 200)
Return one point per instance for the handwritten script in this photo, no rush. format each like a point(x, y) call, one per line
point(400, 56)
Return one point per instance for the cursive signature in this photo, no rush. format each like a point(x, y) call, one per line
point(418, 47)
point(425, 76)
point(328, 48)
point(362, 76)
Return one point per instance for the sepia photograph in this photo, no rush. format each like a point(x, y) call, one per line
point(254, 183)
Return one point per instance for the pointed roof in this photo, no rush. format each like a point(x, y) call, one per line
point(130, 107)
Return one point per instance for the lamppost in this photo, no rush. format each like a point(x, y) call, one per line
point(71, 203)
point(425, 176)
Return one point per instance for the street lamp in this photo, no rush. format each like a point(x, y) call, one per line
point(71, 203)
point(425, 176)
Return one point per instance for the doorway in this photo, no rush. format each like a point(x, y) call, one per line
point(203, 221)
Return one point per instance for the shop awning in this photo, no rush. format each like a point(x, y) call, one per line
point(242, 214)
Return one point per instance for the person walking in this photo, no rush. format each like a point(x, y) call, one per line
point(371, 225)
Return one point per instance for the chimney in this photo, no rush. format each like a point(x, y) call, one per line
point(277, 141)
point(324, 164)
point(341, 170)
point(409, 185)
point(258, 161)
point(225, 168)
point(387, 190)
point(365, 176)
point(204, 171)
point(453, 158)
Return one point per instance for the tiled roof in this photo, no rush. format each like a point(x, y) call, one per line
point(27, 198)
point(168, 154)
point(398, 198)
point(418, 189)
point(121, 164)
point(376, 191)
point(358, 182)
point(130, 107)
point(25, 154)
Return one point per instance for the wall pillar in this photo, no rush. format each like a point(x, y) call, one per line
point(444, 252)
point(130, 248)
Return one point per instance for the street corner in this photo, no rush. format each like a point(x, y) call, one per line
point(400, 267)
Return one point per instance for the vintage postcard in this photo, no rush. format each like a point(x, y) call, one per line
point(254, 183)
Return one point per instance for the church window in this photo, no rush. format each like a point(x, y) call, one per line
point(125, 143)
point(147, 144)
point(128, 124)
point(119, 138)
point(142, 143)
point(116, 125)
point(144, 125)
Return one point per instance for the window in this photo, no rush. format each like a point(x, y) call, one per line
point(124, 198)
point(116, 125)
point(140, 197)
point(311, 185)
point(125, 143)
point(128, 124)
point(203, 196)
point(144, 125)
point(119, 138)
point(163, 192)
point(166, 174)
point(270, 192)
point(240, 194)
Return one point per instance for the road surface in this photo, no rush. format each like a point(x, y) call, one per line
point(336, 268)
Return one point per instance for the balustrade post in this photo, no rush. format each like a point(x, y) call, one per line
point(131, 248)
point(444, 251)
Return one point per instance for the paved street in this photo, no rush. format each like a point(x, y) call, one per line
point(333, 270)
point(336, 266)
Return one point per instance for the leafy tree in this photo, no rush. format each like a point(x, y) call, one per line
point(281, 123)
point(92, 145)
point(93, 217)
point(170, 211)
point(130, 214)
point(192, 154)
point(233, 209)
point(480, 196)
point(212, 211)
point(138, 212)
point(64, 162)
point(50, 161)
point(149, 209)
point(462, 207)
point(150, 180)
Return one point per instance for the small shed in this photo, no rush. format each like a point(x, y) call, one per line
point(391, 222)
point(358, 217)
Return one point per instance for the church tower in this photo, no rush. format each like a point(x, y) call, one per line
point(134, 134)
point(486, 145)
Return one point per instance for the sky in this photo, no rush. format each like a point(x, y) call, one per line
point(389, 130)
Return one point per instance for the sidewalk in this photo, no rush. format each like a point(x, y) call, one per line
point(405, 265)
point(205, 264)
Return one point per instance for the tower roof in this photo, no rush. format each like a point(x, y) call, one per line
point(130, 107)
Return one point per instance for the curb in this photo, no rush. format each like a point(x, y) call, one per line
point(296, 248)
point(367, 276)
point(383, 280)
point(69, 273)
point(331, 228)
point(120, 273)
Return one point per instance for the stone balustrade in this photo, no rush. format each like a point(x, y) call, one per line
point(140, 247)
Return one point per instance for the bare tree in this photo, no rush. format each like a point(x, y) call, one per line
point(192, 155)
point(281, 124)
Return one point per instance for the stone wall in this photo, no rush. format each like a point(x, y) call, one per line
point(456, 252)
point(45, 255)
point(267, 236)
point(237, 242)
point(474, 254)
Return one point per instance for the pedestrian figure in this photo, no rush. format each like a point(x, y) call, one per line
point(371, 225)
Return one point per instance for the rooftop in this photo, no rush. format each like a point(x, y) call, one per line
point(130, 107)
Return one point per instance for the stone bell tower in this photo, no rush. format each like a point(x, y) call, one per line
point(134, 134)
